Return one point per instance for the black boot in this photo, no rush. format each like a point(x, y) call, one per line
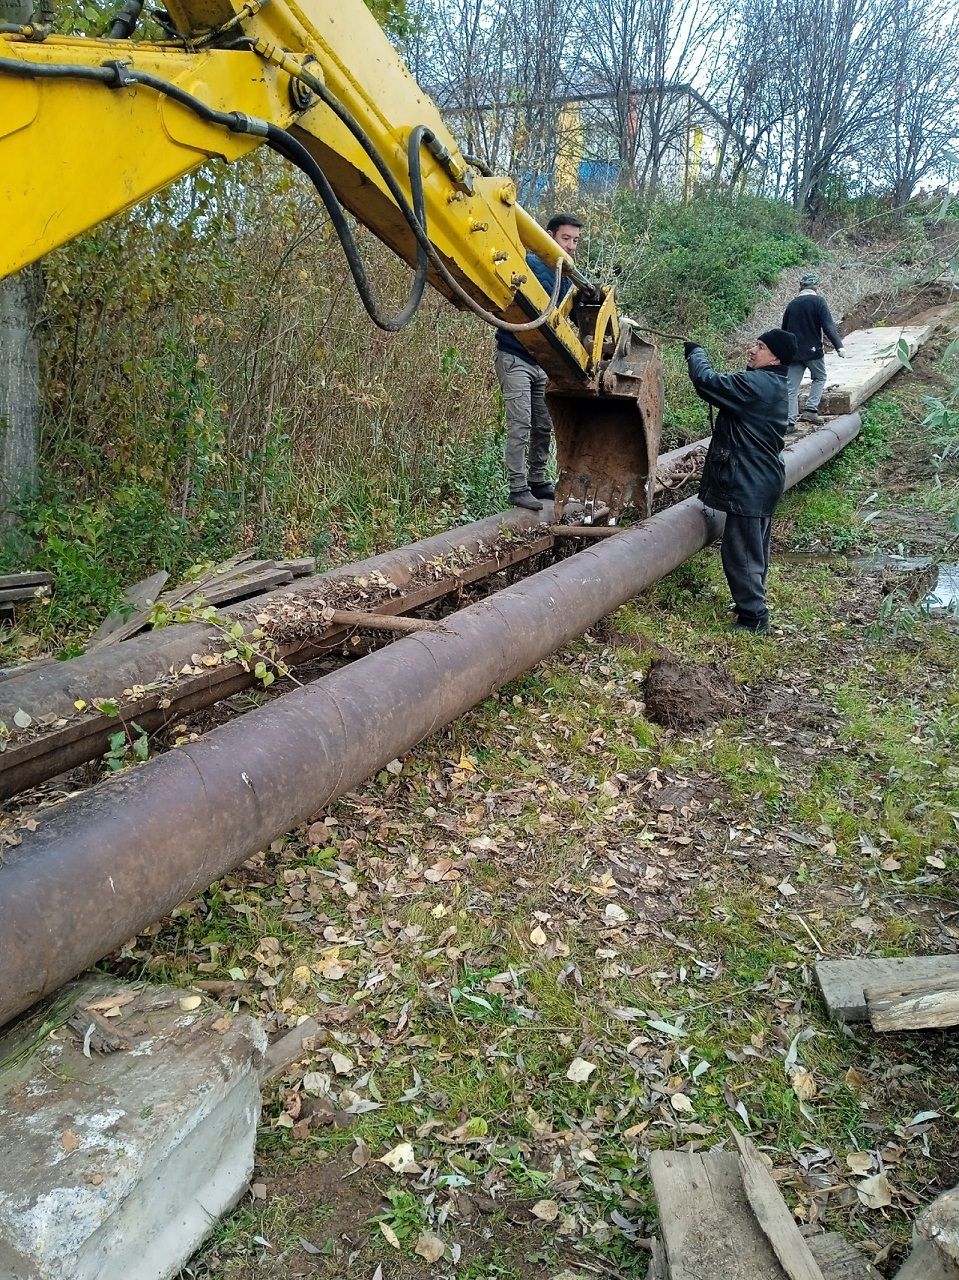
point(542, 489)
point(526, 500)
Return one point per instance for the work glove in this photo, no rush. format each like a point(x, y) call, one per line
point(841, 353)
point(690, 347)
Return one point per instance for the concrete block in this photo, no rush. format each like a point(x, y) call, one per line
point(117, 1165)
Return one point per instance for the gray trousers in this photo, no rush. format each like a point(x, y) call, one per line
point(745, 557)
point(817, 371)
point(527, 420)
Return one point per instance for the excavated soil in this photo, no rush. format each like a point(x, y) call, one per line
point(689, 695)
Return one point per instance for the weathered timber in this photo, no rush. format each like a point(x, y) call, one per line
point(772, 1215)
point(913, 1006)
point(133, 612)
point(302, 567)
point(871, 360)
point(838, 1259)
point(843, 982)
point(32, 579)
point(288, 1049)
point(658, 1267)
point(584, 530)
point(380, 622)
point(13, 595)
point(706, 1220)
point(239, 587)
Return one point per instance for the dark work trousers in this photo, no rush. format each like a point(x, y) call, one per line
point(745, 556)
point(528, 423)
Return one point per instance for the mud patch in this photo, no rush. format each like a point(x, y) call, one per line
point(688, 695)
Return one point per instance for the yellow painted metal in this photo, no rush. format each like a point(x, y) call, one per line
point(74, 152)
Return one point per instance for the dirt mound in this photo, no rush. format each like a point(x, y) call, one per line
point(689, 695)
point(898, 306)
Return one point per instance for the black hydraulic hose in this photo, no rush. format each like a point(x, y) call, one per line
point(116, 75)
point(124, 24)
point(288, 147)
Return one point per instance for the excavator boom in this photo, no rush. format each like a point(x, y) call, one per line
point(90, 127)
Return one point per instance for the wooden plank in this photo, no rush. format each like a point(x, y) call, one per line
point(706, 1221)
point(658, 1268)
point(778, 1224)
point(914, 1006)
point(288, 1049)
point(11, 595)
point(238, 588)
point(130, 616)
point(584, 530)
point(871, 360)
point(37, 579)
point(926, 1263)
point(304, 567)
point(380, 621)
point(843, 982)
point(838, 1259)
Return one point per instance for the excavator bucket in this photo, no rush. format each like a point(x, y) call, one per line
point(607, 440)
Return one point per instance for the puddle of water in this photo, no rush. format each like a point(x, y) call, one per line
point(945, 594)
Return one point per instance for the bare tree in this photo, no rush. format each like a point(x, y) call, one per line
point(921, 122)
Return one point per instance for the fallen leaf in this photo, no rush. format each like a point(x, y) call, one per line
point(390, 1235)
point(681, 1103)
point(547, 1210)
point(342, 1065)
point(537, 937)
point(859, 1162)
point(22, 719)
point(804, 1085)
point(401, 1159)
point(579, 1070)
point(875, 1192)
point(190, 1002)
point(430, 1247)
point(786, 889)
point(613, 913)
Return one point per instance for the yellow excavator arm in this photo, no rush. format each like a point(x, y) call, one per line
point(90, 127)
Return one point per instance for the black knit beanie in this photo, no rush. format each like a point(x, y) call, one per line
point(781, 344)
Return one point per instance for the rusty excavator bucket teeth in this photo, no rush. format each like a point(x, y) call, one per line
point(607, 440)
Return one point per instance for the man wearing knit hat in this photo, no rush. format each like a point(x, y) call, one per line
point(808, 319)
point(744, 474)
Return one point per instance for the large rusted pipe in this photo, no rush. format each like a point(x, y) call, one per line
point(102, 866)
point(105, 673)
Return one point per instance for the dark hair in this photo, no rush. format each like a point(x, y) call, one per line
point(562, 220)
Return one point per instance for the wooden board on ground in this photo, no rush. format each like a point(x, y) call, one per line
point(32, 579)
point(32, 591)
point(778, 1224)
point(131, 614)
point(914, 1006)
point(871, 360)
point(301, 568)
point(838, 1259)
point(843, 982)
point(706, 1221)
point(240, 587)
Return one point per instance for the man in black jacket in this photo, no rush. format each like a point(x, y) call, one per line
point(807, 318)
point(744, 474)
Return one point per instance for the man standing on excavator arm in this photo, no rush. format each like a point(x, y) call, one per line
point(744, 473)
point(523, 384)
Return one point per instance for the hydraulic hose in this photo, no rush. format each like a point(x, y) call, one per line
point(115, 75)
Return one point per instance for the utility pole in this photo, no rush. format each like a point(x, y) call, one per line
point(19, 364)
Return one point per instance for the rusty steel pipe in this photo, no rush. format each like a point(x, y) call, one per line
point(104, 673)
point(104, 865)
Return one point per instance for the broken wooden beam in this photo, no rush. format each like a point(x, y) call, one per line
point(303, 567)
point(379, 621)
point(915, 1005)
point(13, 595)
point(584, 530)
point(769, 1208)
point(838, 1259)
point(843, 982)
point(36, 578)
point(132, 612)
